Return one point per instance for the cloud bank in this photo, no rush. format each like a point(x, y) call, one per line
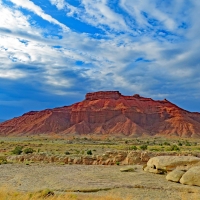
point(53, 52)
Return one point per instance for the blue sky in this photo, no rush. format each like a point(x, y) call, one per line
point(52, 52)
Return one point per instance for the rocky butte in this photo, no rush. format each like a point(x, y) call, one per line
point(108, 112)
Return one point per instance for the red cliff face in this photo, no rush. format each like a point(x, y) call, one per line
point(108, 113)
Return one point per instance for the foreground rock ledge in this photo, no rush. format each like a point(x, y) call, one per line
point(183, 169)
point(191, 177)
point(164, 164)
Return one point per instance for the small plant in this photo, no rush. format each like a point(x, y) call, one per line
point(133, 148)
point(28, 150)
point(117, 163)
point(174, 148)
point(3, 160)
point(17, 150)
point(143, 147)
point(180, 144)
point(187, 143)
point(67, 153)
point(154, 149)
point(89, 152)
point(167, 143)
point(46, 193)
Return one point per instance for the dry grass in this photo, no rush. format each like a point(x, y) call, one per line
point(48, 195)
point(43, 195)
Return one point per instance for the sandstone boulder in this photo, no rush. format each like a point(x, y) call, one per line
point(175, 175)
point(132, 158)
point(191, 177)
point(162, 164)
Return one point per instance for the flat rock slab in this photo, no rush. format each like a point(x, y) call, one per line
point(137, 185)
point(128, 169)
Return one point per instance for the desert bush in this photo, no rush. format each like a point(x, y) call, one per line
point(133, 148)
point(3, 160)
point(17, 150)
point(180, 144)
point(143, 147)
point(67, 153)
point(89, 152)
point(167, 143)
point(174, 148)
point(154, 149)
point(28, 150)
point(187, 143)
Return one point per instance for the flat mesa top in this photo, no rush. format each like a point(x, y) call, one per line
point(111, 95)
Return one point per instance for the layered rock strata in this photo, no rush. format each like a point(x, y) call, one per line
point(110, 113)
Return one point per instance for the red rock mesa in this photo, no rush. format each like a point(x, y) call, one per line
point(111, 113)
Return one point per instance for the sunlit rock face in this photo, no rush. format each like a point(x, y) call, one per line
point(108, 112)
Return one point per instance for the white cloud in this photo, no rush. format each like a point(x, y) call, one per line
point(27, 4)
point(12, 74)
point(110, 63)
point(60, 4)
point(137, 9)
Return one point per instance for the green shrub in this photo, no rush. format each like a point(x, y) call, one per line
point(67, 153)
point(133, 148)
point(153, 149)
point(143, 147)
point(117, 163)
point(167, 143)
point(3, 160)
point(187, 143)
point(17, 150)
point(89, 152)
point(28, 150)
point(180, 144)
point(174, 148)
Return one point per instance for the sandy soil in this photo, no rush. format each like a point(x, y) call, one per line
point(102, 179)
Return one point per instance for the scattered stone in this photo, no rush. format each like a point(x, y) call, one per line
point(128, 169)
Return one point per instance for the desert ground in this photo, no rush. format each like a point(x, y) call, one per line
point(91, 181)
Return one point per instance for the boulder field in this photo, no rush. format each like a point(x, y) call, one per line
point(108, 113)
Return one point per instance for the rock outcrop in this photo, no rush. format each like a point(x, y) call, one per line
point(108, 113)
point(164, 164)
point(180, 169)
point(175, 175)
point(191, 177)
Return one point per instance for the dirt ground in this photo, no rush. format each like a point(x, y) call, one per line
point(98, 180)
